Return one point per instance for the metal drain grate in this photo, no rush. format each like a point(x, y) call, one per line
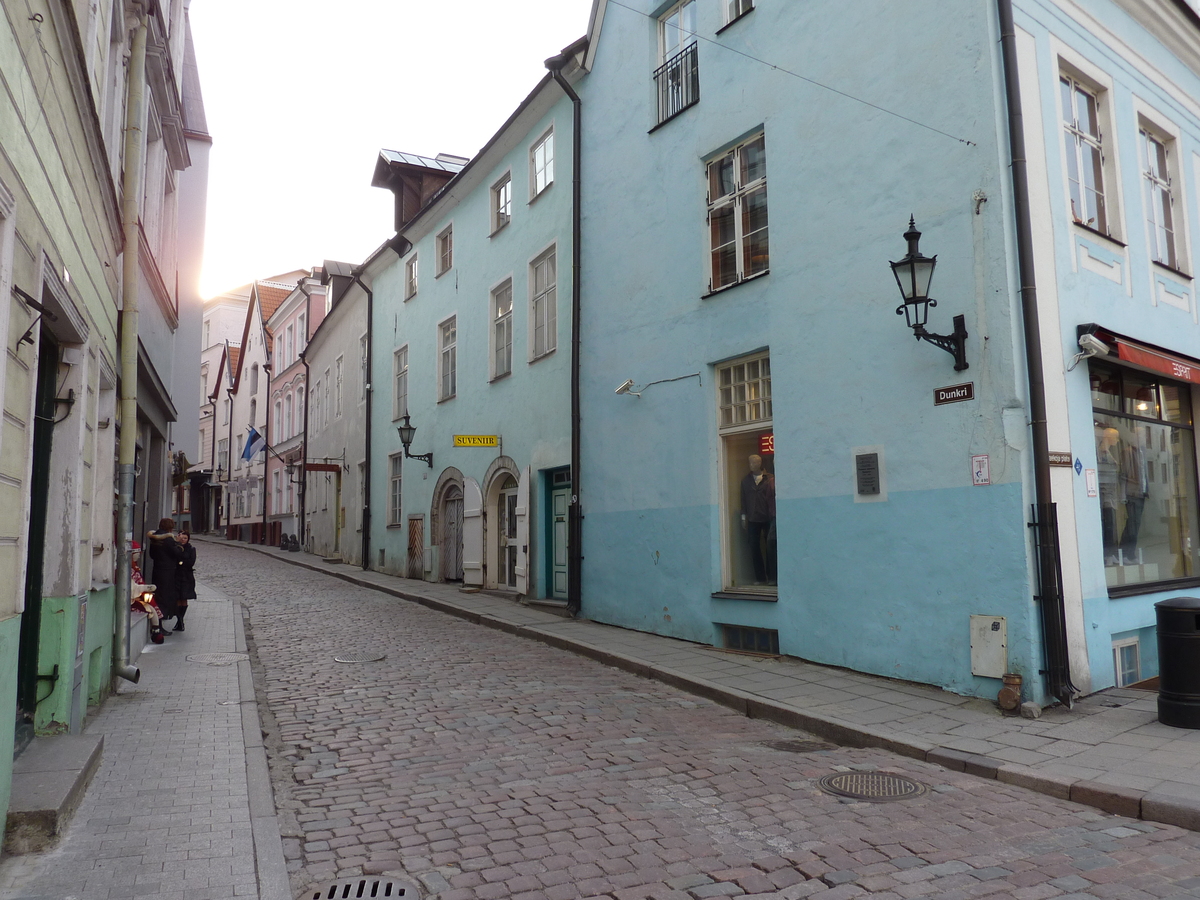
point(799, 746)
point(359, 657)
point(217, 659)
point(871, 786)
point(361, 887)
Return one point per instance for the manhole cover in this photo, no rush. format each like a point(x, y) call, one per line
point(359, 657)
point(871, 786)
point(217, 659)
point(799, 746)
point(359, 886)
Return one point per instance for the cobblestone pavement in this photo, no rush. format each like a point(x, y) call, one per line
point(483, 765)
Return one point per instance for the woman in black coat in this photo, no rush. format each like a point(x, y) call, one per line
point(166, 555)
point(186, 582)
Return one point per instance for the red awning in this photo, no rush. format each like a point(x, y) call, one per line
point(1173, 365)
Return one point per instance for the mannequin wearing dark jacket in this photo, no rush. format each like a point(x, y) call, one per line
point(187, 579)
point(166, 555)
point(758, 513)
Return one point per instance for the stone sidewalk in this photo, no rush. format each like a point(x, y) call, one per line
point(1109, 751)
point(181, 807)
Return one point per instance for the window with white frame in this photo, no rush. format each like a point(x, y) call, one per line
point(300, 408)
point(448, 358)
point(279, 418)
point(287, 431)
point(364, 377)
point(225, 412)
point(400, 382)
point(241, 447)
point(543, 312)
point(737, 214)
point(541, 164)
point(277, 504)
point(445, 250)
point(1126, 662)
point(410, 277)
point(501, 203)
point(289, 347)
point(253, 412)
point(254, 379)
point(502, 329)
point(223, 454)
point(339, 366)
point(747, 471)
point(735, 9)
point(316, 405)
point(325, 405)
point(1158, 159)
point(1082, 110)
point(677, 78)
point(396, 466)
point(301, 333)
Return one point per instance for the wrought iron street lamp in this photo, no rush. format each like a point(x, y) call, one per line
point(407, 431)
point(913, 275)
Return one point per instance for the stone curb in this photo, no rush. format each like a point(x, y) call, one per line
point(1153, 806)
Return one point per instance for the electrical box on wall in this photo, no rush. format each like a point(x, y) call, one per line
point(989, 646)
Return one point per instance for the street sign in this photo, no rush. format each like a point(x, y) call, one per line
point(477, 440)
point(955, 393)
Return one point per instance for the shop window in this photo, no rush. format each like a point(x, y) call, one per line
point(747, 449)
point(1145, 477)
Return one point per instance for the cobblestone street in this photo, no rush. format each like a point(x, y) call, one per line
point(483, 765)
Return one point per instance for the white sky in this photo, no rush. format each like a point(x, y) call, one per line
point(301, 95)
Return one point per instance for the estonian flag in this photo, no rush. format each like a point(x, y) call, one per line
point(254, 443)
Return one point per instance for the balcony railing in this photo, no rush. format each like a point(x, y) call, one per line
point(677, 83)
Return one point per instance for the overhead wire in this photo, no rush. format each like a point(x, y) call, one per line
point(806, 79)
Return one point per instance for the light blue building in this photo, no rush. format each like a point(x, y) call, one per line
point(471, 340)
point(770, 461)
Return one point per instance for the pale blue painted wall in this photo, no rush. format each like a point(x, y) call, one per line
point(885, 587)
point(531, 407)
point(1126, 307)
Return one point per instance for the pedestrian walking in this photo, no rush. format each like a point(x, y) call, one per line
point(166, 555)
point(186, 582)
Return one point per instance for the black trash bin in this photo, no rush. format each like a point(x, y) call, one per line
point(1178, 626)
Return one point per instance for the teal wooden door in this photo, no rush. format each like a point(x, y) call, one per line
point(560, 499)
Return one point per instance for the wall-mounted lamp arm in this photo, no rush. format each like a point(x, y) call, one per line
point(955, 344)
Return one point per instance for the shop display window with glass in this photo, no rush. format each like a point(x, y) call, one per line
point(1145, 476)
point(747, 446)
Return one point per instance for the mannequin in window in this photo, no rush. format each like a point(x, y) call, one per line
point(1108, 477)
point(758, 519)
point(1135, 481)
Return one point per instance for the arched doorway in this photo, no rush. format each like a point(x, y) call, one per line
point(506, 535)
point(452, 531)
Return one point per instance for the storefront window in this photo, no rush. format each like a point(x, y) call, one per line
point(1145, 476)
point(748, 475)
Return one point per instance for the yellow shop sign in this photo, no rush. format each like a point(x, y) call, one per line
point(477, 440)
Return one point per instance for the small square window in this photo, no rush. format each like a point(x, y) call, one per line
point(501, 203)
point(445, 250)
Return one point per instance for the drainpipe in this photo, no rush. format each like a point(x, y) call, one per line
point(365, 487)
point(304, 436)
point(1050, 593)
point(229, 472)
point(575, 511)
point(134, 169)
point(266, 450)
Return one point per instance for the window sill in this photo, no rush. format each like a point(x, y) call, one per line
point(1178, 273)
point(1152, 587)
point(734, 21)
point(538, 359)
point(747, 595)
point(738, 283)
point(395, 525)
point(673, 116)
point(496, 231)
point(408, 297)
point(447, 399)
point(443, 272)
point(541, 193)
point(500, 377)
point(1100, 234)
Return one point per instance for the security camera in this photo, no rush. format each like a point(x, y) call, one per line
point(625, 386)
point(1089, 346)
point(1093, 346)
